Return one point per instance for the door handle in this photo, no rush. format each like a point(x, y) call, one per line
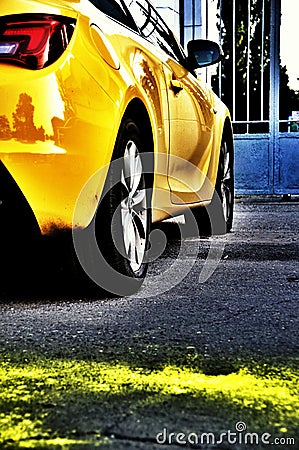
point(176, 86)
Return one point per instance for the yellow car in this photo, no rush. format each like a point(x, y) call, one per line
point(98, 96)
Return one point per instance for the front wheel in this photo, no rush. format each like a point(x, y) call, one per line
point(217, 217)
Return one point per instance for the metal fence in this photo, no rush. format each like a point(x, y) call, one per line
point(261, 103)
point(252, 82)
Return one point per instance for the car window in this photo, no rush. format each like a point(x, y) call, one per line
point(116, 10)
point(153, 28)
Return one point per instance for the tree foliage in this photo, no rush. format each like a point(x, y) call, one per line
point(252, 62)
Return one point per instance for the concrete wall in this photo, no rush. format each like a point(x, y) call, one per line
point(170, 12)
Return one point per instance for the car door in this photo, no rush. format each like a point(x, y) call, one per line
point(191, 119)
point(190, 109)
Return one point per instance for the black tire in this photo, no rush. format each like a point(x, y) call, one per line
point(123, 219)
point(217, 217)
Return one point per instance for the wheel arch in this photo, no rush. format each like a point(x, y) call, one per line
point(228, 133)
point(229, 137)
point(137, 111)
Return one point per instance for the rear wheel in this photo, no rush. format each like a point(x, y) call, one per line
point(124, 215)
point(217, 217)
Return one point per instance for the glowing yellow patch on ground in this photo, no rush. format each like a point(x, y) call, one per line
point(30, 389)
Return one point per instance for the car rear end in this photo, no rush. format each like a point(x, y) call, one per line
point(53, 114)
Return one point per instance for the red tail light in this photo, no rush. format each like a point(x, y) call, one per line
point(34, 41)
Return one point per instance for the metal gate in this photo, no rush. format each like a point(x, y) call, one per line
point(267, 136)
point(267, 162)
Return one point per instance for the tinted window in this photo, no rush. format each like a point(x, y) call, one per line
point(153, 28)
point(116, 10)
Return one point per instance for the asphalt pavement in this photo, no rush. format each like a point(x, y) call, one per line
point(246, 311)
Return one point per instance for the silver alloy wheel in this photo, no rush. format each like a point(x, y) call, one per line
point(226, 182)
point(134, 207)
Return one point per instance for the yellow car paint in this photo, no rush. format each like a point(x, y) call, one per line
point(60, 123)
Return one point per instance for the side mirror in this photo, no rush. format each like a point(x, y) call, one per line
point(203, 53)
